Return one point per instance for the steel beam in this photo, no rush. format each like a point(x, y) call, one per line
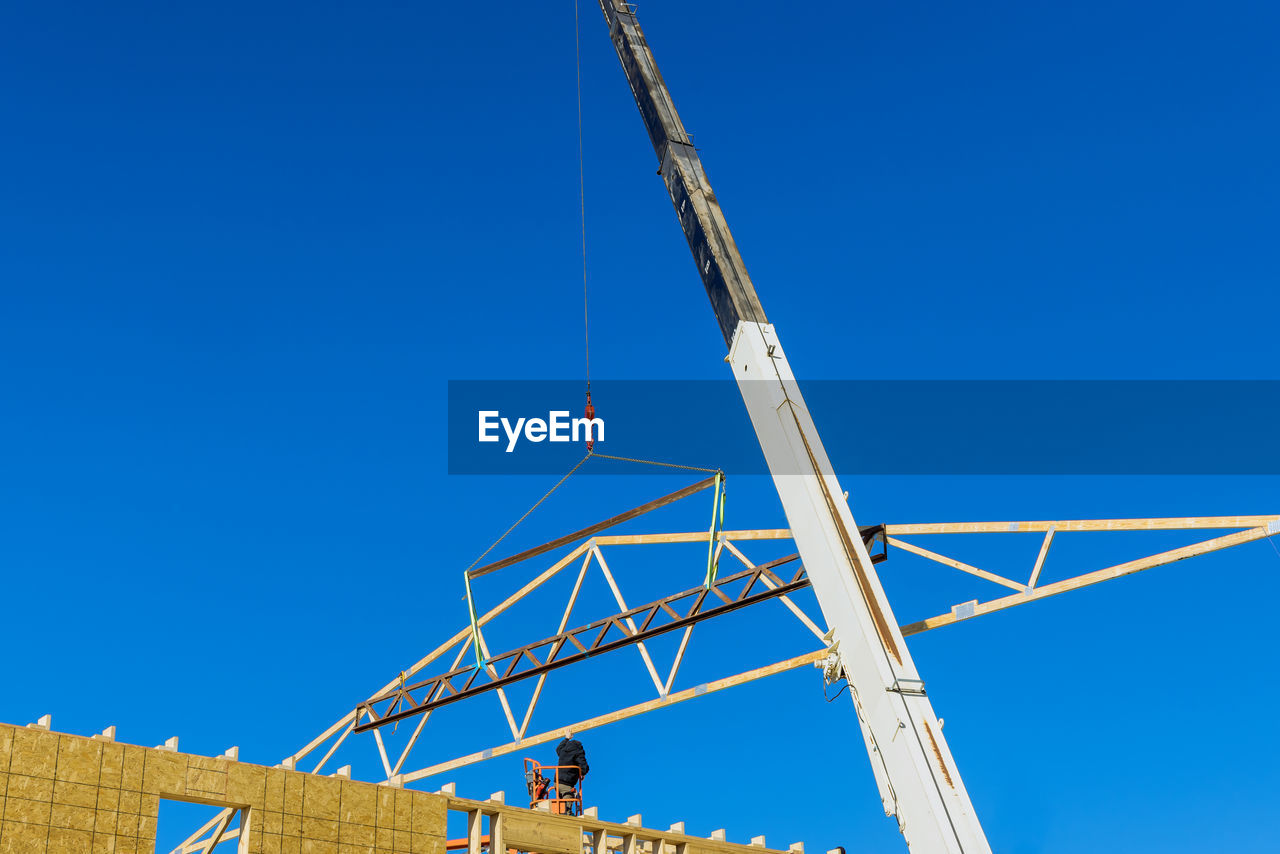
point(568, 647)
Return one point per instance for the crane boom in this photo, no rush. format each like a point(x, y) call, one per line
point(918, 779)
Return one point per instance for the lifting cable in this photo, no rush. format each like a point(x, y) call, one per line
point(654, 463)
point(717, 506)
point(582, 215)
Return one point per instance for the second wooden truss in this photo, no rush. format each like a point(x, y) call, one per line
point(759, 583)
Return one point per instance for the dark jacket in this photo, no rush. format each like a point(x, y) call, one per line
point(570, 752)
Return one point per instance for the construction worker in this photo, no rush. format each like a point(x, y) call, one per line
point(569, 752)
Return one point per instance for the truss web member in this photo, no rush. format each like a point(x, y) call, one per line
point(572, 757)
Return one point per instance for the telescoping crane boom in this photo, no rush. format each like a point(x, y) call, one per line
point(918, 779)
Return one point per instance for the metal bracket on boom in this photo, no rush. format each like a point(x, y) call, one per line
point(908, 686)
point(830, 666)
point(872, 534)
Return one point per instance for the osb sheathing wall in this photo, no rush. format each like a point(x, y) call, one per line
point(66, 794)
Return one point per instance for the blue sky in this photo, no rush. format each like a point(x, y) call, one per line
point(243, 250)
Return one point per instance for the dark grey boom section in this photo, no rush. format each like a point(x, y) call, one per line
point(733, 297)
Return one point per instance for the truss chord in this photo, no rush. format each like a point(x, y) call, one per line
point(691, 537)
point(1167, 523)
point(611, 522)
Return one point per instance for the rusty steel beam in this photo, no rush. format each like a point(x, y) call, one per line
point(601, 636)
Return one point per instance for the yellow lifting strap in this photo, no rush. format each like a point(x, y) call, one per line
point(475, 623)
point(717, 525)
